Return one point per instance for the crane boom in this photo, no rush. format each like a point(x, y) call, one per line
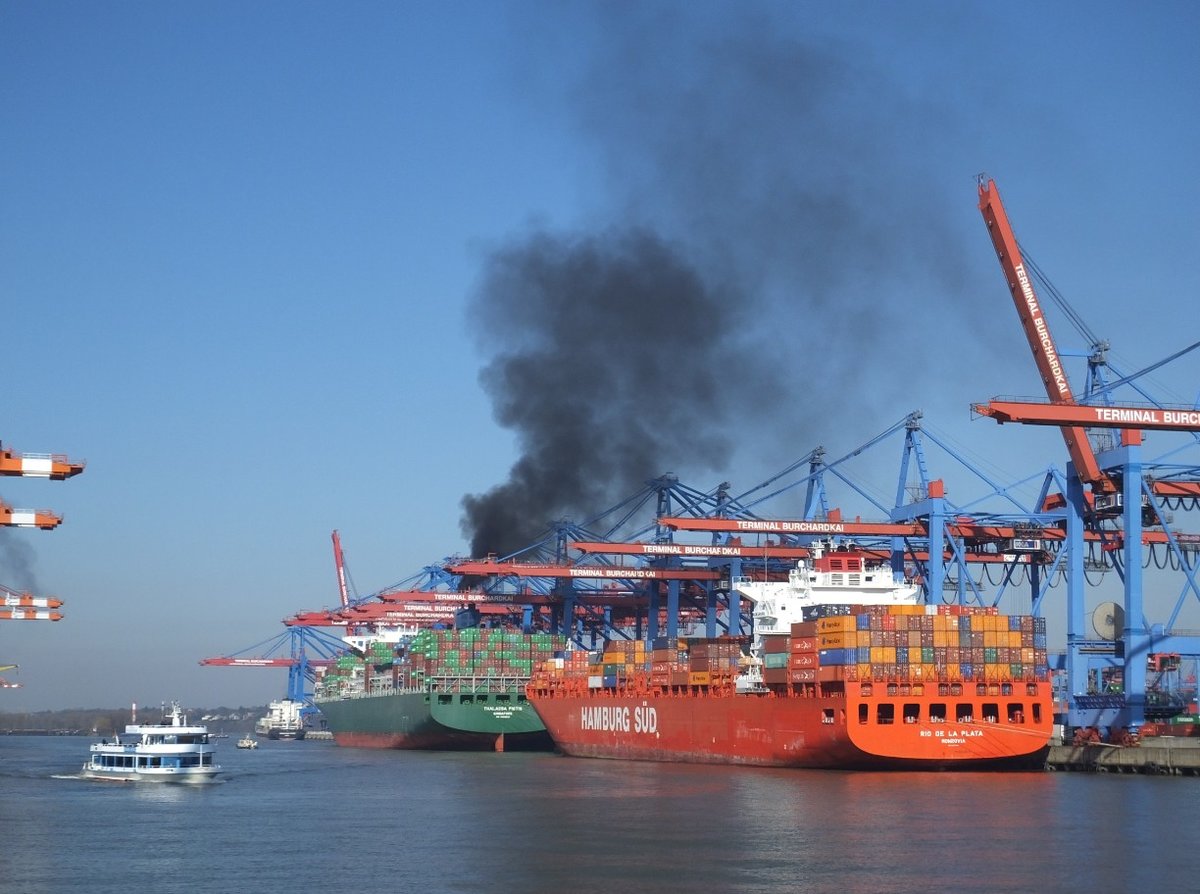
point(28, 518)
point(692, 550)
point(1037, 332)
point(1037, 413)
point(38, 465)
point(339, 562)
point(521, 569)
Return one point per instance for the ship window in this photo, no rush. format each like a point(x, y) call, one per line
point(981, 689)
point(1037, 713)
point(1006, 688)
point(854, 580)
point(862, 714)
point(827, 715)
point(502, 697)
point(912, 713)
point(837, 579)
point(1016, 712)
point(937, 712)
point(955, 689)
point(885, 713)
point(964, 712)
point(991, 712)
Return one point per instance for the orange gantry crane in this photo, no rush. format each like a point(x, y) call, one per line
point(1037, 333)
point(38, 465)
point(16, 606)
point(1121, 488)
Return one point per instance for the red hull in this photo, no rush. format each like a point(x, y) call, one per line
point(722, 727)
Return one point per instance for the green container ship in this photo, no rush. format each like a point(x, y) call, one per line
point(447, 689)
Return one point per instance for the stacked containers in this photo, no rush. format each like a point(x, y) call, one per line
point(917, 642)
point(476, 652)
point(684, 662)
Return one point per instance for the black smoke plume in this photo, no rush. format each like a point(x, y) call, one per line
point(17, 561)
point(613, 362)
point(781, 201)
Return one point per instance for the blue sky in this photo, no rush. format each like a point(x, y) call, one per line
point(248, 258)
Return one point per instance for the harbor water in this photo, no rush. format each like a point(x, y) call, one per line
point(311, 816)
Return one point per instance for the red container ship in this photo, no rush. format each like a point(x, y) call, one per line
point(848, 670)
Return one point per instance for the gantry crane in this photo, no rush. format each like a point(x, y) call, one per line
point(1119, 488)
point(300, 649)
point(16, 606)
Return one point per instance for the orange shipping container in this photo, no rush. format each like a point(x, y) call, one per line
point(837, 624)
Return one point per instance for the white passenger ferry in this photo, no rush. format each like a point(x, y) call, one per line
point(170, 751)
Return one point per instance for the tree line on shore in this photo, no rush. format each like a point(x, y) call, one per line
point(106, 721)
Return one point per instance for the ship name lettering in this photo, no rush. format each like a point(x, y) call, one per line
point(609, 719)
point(645, 720)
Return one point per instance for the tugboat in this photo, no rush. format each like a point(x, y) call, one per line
point(169, 751)
point(247, 742)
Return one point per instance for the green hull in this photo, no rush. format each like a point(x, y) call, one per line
point(419, 719)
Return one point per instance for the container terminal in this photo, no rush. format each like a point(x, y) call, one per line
point(1105, 528)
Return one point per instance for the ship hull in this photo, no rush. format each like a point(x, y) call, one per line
point(420, 720)
point(772, 731)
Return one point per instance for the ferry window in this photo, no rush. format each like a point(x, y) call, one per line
point(1016, 712)
point(937, 712)
point(886, 713)
point(912, 713)
point(964, 712)
point(991, 712)
point(862, 713)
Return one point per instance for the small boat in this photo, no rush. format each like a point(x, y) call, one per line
point(247, 742)
point(169, 751)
